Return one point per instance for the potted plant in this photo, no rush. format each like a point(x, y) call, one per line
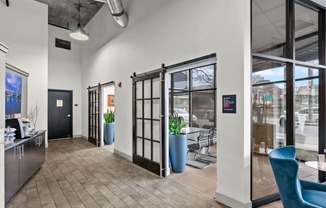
point(177, 144)
point(108, 127)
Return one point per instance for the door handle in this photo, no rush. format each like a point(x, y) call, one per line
point(68, 116)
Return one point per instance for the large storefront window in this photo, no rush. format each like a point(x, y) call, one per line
point(268, 27)
point(306, 34)
point(307, 119)
point(286, 82)
point(268, 131)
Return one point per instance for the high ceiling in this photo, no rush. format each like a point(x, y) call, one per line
point(268, 23)
point(64, 13)
point(269, 32)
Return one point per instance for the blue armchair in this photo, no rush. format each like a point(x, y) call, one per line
point(294, 193)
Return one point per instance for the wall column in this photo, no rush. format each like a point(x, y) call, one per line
point(3, 53)
point(234, 77)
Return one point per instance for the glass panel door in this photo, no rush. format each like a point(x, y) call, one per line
point(148, 151)
point(93, 115)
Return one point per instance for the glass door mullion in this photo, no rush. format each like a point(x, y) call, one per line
point(143, 121)
point(151, 106)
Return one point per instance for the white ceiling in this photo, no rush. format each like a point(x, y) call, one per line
point(268, 23)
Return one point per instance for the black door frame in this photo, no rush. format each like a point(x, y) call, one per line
point(157, 168)
point(72, 107)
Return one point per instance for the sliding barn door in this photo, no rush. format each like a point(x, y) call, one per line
point(148, 117)
point(94, 119)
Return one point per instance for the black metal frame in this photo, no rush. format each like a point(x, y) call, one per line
point(149, 164)
point(94, 118)
point(290, 62)
point(72, 107)
point(322, 88)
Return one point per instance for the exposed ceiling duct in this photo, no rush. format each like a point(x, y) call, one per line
point(118, 13)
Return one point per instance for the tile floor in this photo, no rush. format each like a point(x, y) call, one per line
point(78, 174)
point(201, 180)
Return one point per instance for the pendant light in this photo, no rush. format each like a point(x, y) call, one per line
point(79, 33)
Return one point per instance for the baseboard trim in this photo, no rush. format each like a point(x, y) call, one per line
point(122, 154)
point(231, 202)
point(77, 136)
point(84, 137)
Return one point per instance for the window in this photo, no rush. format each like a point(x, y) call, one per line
point(192, 96)
point(287, 62)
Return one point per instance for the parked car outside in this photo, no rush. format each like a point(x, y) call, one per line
point(297, 121)
point(210, 115)
point(305, 112)
point(184, 115)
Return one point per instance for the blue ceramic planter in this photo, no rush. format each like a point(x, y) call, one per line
point(108, 133)
point(178, 152)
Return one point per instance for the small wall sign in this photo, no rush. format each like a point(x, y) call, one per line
point(59, 103)
point(229, 103)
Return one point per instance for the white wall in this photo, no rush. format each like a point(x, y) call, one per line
point(3, 54)
point(176, 31)
point(24, 29)
point(107, 90)
point(144, 45)
point(234, 77)
point(65, 71)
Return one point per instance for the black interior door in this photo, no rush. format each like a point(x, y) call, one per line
point(148, 117)
point(59, 114)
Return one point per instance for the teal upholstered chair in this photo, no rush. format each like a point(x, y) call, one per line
point(294, 193)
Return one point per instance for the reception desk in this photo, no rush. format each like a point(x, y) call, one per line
point(23, 157)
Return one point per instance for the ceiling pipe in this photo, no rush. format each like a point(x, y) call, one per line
point(118, 13)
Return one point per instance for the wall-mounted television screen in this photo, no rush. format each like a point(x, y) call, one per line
point(13, 93)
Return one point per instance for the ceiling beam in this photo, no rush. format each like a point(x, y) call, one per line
point(7, 3)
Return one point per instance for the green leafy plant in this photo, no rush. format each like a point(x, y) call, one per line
point(109, 116)
point(176, 124)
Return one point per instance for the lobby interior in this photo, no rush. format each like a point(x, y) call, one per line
point(269, 55)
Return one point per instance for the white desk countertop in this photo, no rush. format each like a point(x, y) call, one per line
point(316, 165)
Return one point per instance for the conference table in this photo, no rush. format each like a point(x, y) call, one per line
point(193, 130)
point(316, 165)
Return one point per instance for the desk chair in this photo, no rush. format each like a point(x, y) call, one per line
point(294, 192)
point(204, 140)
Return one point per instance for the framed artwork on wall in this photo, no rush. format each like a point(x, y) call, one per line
point(110, 100)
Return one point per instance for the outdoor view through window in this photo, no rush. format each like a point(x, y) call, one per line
point(273, 66)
